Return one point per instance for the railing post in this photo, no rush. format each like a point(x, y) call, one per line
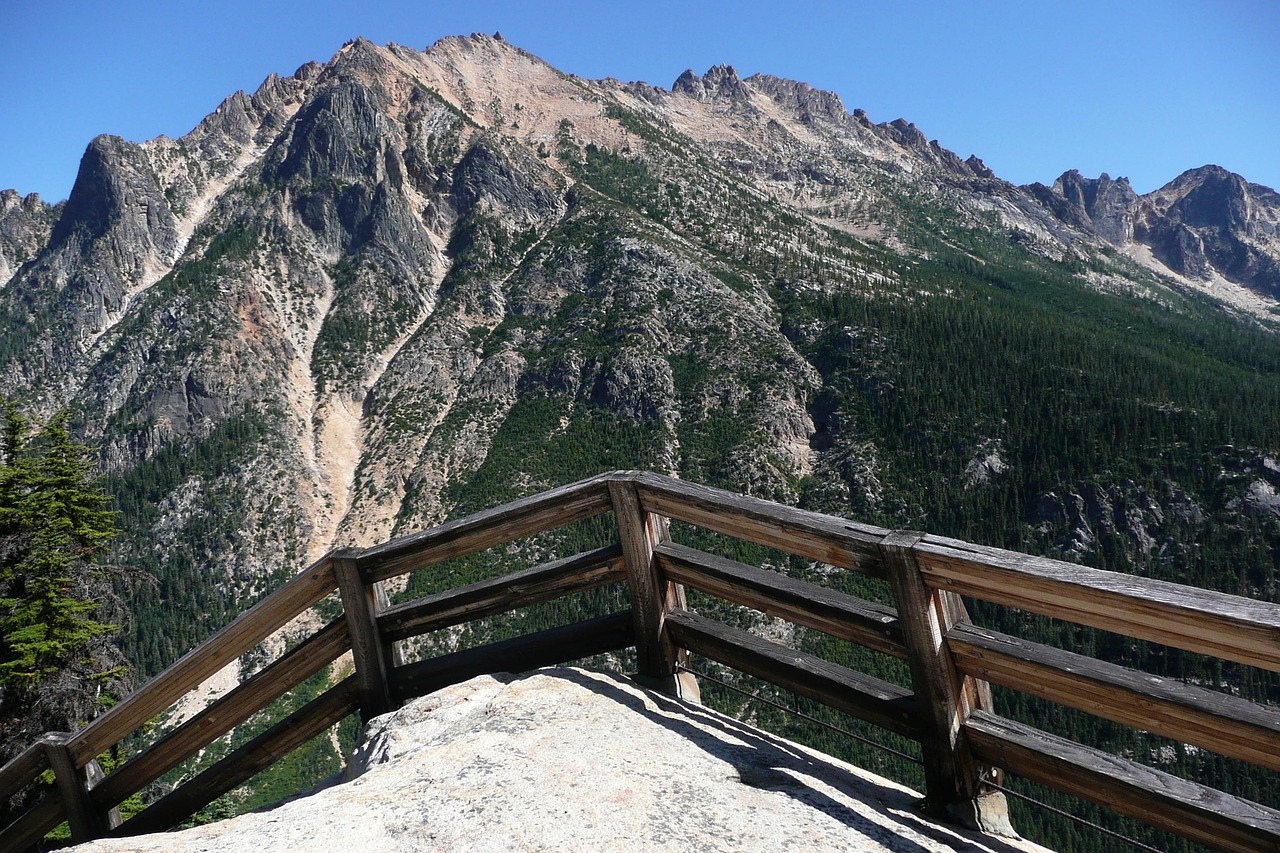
point(659, 661)
point(87, 820)
point(374, 658)
point(954, 787)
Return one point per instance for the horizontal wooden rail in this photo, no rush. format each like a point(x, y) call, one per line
point(863, 696)
point(264, 687)
point(863, 622)
point(486, 598)
point(1223, 724)
point(487, 529)
point(246, 762)
point(36, 823)
point(818, 537)
point(545, 648)
point(1193, 811)
point(23, 768)
point(920, 569)
point(246, 631)
point(1196, 620)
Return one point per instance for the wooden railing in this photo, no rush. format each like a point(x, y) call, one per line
point(952, 662)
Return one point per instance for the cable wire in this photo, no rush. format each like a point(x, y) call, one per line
point(801, 714)
point(1138, 845)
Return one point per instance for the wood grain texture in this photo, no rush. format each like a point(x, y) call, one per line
point(368, 651)
point(868, 624)
point(21, 770)
point(246, 631)
point(1197, 620)
point(85, 821)
point(639, 533)
point(264, 687)
point(247, 761)
point(1185, 808)
point(952, 776)
point(1224, 724)
point(819, 537)
point(578, 573)
point(886, 705)
point(488, 529)
point(520, 654)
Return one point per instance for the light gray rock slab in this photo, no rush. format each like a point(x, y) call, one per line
point(564, 759)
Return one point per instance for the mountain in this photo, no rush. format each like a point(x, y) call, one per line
point(1207, 225)
point(405, 285)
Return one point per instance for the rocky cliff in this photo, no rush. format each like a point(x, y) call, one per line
point(1206, 225)
point(564, 760)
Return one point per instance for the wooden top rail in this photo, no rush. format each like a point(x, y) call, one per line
point(487, 529)
point(1195, 620)
point(824, 538)
point(22, 768)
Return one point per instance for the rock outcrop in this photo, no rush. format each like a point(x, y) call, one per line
point(568, 760)
point(1205, 224)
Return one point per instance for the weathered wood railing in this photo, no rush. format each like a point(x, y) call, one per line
point(948, 709)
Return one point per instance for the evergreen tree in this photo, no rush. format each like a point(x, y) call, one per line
point(57, 665)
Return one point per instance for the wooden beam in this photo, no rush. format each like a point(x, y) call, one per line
point(372, 655)
point(824, 538)
point(488, 529)
point(265, 686)
point(1169, 802)
point(1224, 724)
point(30, 828)
point(868, 624)
point(521, 654)
point(87, 821)
point(886, 705)
point(952, 776)
point(552, 580)
point(1197, 620)
point(246, 631)
point(247, 761)
point(651, 595)
point(21, 770)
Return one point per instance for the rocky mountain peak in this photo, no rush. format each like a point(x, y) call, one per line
point(720, 83)
point(806, 101)
point(1210, 222)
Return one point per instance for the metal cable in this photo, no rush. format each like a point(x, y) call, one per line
point(1024, 797)
point(1069, 816)
point(801, 714)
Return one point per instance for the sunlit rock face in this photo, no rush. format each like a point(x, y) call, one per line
point(564, 760)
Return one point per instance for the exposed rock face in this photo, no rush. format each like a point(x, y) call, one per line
point(571, 760)
point(1102, 205)
point(25, 226)
point(1207, 223)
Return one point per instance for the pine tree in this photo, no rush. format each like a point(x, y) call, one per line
point(57, 664)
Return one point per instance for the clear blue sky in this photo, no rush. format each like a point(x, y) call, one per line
point(1130, 87)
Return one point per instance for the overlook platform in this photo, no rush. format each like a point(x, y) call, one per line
point(569, 760)
point(940, 667)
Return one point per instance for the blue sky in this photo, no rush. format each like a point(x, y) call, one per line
point(1129, 87)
